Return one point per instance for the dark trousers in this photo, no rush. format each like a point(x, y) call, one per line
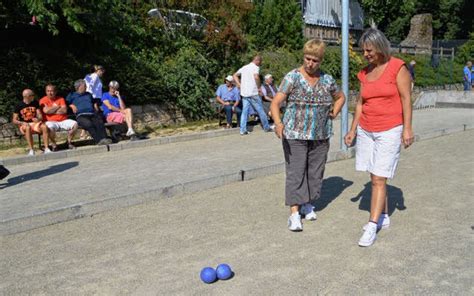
point(305, 161)
point(228, 113)
point(94, 125)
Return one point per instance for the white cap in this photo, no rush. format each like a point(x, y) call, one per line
point(268, 76)
point(229, 78)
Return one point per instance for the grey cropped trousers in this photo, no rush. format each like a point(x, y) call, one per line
point(305, 161)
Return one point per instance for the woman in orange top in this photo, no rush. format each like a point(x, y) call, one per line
point(382, 122)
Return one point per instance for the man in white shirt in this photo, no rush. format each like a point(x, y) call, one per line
point(249, 84)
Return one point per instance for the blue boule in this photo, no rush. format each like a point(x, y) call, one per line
point(223, 271)
point(208, 275)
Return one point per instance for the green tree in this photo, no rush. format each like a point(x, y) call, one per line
point(451, 18)
point(276, 23)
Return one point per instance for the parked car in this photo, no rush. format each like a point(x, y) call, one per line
point(175, 19)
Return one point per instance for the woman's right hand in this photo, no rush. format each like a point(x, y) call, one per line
point(349, 138)
point(279, 130)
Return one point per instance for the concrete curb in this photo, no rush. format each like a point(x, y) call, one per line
point(17, 160)
point(53, 216)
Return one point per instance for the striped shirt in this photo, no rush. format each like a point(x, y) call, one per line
point(307, 112)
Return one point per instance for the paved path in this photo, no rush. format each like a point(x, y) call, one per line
point(47, 192)
point(158, 248)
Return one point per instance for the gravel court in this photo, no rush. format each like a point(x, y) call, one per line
point(159, 247)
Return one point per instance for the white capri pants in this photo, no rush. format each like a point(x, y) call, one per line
point(378, 152)
point(65, 125)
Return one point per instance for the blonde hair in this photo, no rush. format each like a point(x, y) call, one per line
point(97, 68)
point(314, 47)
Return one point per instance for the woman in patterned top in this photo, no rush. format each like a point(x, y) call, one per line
point(313, 100)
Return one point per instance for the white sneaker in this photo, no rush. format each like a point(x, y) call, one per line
point(294, 222)
point(369, 236)
point(307, 210)
point(47, 150)
point(31, 152)
point(130, 133)
point(383, 223)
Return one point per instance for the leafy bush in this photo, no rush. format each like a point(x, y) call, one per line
point(426, 74)
point(186, 77)
point(466, 51)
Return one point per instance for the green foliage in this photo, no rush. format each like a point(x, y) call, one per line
point(466, 51)
point(155, 64)
point(279, 61)
point(186, 77)
point(332, 65)
point(448, 71)
point(451, 18)
point(276, 23)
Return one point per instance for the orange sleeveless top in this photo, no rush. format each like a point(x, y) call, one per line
point(381, 102)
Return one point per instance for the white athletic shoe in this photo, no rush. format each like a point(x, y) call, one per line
point(294, 222)
point(47, 150)
point(31, 152)
point(383, 223)
point(307, 210)
point(369, 236)
point(130, 132)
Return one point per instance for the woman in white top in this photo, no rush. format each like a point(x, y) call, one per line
point(93, 82)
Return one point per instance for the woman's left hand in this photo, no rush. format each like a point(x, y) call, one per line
point(407, 137)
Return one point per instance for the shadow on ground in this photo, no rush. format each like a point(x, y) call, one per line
point(395, 198)
point(39, 174)
point(331, 189)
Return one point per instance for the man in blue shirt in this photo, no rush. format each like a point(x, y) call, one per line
point(81, 103)
point(229, 97)
point(467, 76)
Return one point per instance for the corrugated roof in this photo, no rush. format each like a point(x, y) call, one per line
point(328, 13)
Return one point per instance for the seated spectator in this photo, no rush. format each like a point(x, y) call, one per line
point(27, 116)
point(229, 97)
point(268, 92)
point(81, 103)
point(55, 116)
point(114, 108)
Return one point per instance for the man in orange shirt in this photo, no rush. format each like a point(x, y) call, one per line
point(54, 109)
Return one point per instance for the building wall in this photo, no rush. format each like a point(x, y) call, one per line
point(323, 19)
point(328, 34)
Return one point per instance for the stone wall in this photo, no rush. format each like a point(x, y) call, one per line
point(420, 35)
point(157, 115)
point(9, 134)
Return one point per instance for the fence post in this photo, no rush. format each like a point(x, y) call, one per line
point(441, 52)
point(452, 53)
